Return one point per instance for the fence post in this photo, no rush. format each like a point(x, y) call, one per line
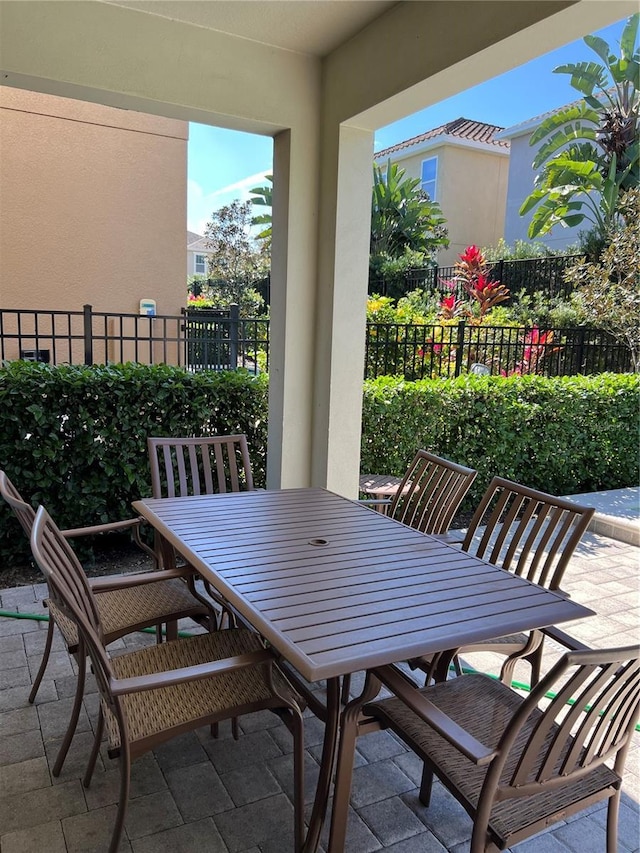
point(234, 335)
point(580, 354)
point(88, 335)
point(459, 348)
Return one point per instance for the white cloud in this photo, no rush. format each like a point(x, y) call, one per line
point(201, 206)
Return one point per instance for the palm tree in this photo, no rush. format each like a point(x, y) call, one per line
point(589, 154)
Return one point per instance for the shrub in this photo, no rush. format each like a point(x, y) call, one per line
point(564, 435)
point(74, 438)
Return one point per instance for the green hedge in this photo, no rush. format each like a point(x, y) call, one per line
point(564, 435)
point(74, 438)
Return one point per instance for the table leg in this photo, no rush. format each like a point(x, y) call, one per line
point(321, 800)
point(349, 720)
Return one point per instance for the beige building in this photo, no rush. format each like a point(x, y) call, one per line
point(319, 79)
point(92, 205)
point(464, 167)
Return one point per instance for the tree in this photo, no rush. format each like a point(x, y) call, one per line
point(236, 264)
point(402, 216)
point(589, 154)
point(609, 291)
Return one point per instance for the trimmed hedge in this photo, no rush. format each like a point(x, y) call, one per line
point(74, 438)
point(564, 435)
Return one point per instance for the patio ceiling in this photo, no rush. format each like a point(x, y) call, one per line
point(315, 28)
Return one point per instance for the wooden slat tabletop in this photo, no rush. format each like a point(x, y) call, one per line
point(337, 588)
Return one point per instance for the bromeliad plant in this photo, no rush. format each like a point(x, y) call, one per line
point(537, 346)
point(472, 273)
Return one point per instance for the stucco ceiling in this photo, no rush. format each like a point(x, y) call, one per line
point(314, 27)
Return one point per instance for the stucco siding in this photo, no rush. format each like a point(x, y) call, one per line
point(92, 205)
point(521, 181)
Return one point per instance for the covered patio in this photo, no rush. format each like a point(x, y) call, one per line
point(197, 793)
point(318, 78)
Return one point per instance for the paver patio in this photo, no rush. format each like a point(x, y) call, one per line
point(201, 794)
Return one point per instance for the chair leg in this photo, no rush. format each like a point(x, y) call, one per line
point(426, 785)
point(172, 630)
point(125, 776)
point(95, 751)
point(75, 711)
point(346, 686)
point(298, 780)
point(612, 822)
point(535, 660)
point(44, 661)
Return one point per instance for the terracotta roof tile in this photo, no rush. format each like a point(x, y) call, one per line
point(461, 128)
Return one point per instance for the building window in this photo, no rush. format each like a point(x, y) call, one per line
point(201, 265)
point(429, 175)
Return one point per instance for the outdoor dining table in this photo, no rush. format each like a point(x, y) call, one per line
point(337, 589)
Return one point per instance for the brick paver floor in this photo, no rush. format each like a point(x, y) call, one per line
point(198, 794)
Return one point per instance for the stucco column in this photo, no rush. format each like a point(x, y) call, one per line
point(343, 262)
point(293, 321)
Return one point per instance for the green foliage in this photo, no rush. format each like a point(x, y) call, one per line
point(522, 250)
point(563, 435)
point(538, 309)
point(263, 197)
point(590, 151)
point(74, 438)
point(236, 263)
point(608, 291)
point(403, 216)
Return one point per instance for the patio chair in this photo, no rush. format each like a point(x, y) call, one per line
point(515, 768)
point(126, 603)
point(430, 493)
point(181, 467)
point(532, 534)
point(203, 465)
point(153, 694)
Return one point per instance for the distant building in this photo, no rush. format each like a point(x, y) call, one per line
point(462, 165)
point(93, 204)
point(521, 184)
point(197, 254)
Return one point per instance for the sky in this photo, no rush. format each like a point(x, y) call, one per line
point(224, 165)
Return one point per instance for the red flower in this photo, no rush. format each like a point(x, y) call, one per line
point(472, 255)
point(449, 302)
point(482, 282)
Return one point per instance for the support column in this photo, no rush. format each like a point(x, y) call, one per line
point(343, 263)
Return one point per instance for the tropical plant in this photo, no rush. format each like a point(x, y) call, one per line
point(472, 272)
point(589, 150)
point(608, 291)
point(263, 197)
point(403, 216)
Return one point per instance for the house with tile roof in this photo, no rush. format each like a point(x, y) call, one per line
point(463, 165)
point(197, 254)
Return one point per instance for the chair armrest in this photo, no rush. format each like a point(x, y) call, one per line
point(139, 683)
point(458, 737)
point(108, 527)
point(113, 582)
point(565, 639)
point(451, 731)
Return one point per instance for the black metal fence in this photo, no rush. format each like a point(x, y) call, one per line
point(419, 352)
point(195, 339)
point(531, 275)
point(222, 340)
